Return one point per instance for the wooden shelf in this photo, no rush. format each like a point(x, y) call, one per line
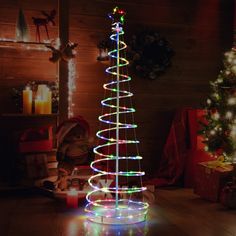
point(12, 43)
point(53, 150)
point(29, 115)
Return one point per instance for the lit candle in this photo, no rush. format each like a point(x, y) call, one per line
point(48, 103)
point(39, 106)
point(27, 101)
point(72, 198)
point(45, 93)
point(42, 88)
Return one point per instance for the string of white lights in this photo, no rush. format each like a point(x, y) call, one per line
point(71, 86)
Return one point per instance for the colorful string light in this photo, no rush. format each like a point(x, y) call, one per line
point(115, 210)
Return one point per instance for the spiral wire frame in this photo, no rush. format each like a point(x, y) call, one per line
point(115, 210)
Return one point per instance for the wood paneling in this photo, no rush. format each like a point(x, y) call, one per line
point(199, 31)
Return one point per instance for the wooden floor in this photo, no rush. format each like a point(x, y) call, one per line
point(177, 212)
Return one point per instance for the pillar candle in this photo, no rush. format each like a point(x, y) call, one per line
point(39, 106)
point(72, 198)
point(42, 88)
point(48, 103)
point(45, 93)
point(27, 101)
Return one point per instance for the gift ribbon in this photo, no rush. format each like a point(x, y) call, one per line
point(219, 162)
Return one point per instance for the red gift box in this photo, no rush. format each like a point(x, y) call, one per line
point(211, 178)
point(36, 140)
point(36, 165)
point(228, 195)
point(195, 153)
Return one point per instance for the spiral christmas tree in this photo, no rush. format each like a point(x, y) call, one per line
point(116, 195)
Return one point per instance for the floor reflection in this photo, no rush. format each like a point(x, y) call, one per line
point(77, 224)
point(94, 229)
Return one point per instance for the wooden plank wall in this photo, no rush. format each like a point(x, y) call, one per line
point(18, 66)
point(199, 30)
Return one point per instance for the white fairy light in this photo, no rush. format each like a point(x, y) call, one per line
point(208, 101)
point(230, 59)
point(228, 115)
point(8, 40)
point(71, 85)
point(216, 116)
point(229, 56)
point(212, 132)
point(216, 95)
point(9, 43)
point(233, 69)
point(57, 43)
point(232, 101)
point(233, 131)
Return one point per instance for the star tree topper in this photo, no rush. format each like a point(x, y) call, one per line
point(117, 15)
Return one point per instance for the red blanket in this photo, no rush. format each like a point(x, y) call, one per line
point(182, 151)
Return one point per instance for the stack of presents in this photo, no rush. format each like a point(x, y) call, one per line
point(74, 155)
point(212, 179)
point(57, 165)
point(184, 162)
point(67, 167)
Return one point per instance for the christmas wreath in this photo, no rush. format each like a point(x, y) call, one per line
point(149, 54)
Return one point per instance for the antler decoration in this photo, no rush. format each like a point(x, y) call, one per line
point(65, 54)
point(38, 22)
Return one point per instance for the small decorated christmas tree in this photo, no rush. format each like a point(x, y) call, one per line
point(22, 31)
point(219, 127)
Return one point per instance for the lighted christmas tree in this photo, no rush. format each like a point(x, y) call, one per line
point(219, 127)
point(116, 195)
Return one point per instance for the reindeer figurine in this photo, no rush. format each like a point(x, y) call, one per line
point(44, 22)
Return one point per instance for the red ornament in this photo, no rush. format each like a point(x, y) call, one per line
point(219, 152)
point(213, 110)
point(227, 133)
point(232, 91)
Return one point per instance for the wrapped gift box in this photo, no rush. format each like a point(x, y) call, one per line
point(211, 178)
point(195, 152)
point(36, 140)
point(36, 165)
point(228, 195)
